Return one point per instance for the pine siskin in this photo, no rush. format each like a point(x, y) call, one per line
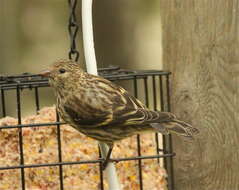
point(103, 110)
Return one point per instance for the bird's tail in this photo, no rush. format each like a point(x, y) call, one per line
point(176, 126)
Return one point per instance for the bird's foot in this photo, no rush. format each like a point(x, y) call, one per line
point(105, 163)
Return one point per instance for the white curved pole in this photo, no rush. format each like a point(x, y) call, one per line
point(88, 37)
point(89, 50)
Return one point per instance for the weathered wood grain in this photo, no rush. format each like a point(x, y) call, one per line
point(201, 48)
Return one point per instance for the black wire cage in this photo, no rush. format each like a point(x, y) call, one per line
point(151, 87)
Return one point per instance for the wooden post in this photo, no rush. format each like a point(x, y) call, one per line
point(201, 48)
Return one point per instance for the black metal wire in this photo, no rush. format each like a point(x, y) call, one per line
point(8, 79)
point(73, 30)
point(37, 99)
point(146, 91)
point(116, 160)
point(101, 171)
point(138, 142)
point(59, 151)
point(31, 125)
point(3, 103)
point(161, 93)
point(18, 97)
point(155, 108)
point(28, 81)
point(154, 93)
point(169, 141)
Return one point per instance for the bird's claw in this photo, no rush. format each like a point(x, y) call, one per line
point(105, 163)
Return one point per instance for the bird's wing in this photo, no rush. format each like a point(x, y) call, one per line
point(130, 111)
point(134, 113)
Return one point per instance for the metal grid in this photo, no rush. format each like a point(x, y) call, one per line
point(152, 84)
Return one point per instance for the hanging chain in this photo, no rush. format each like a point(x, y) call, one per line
point(73, 29)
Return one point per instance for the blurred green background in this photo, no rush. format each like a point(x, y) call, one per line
point(34, 34)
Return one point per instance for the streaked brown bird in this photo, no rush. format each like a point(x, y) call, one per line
point(103, 110)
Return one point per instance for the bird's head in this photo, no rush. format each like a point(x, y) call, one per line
point(63, 73)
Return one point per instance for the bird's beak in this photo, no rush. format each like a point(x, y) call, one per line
point(45, 73)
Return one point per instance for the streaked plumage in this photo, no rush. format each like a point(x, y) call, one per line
point(103, 110)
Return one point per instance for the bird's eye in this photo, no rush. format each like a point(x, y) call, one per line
point(62, 70)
